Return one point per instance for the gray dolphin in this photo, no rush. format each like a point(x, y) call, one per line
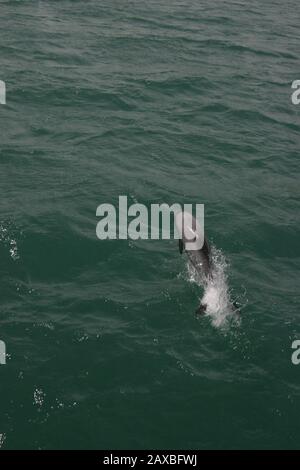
point(192, 241)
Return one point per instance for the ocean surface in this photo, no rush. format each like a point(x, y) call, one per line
point(162, 101)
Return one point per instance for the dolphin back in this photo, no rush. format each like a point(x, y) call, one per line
point(199, 258)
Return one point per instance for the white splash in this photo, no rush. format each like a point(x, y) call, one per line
point(2, 439)
point(6, 238)
point(216, 295)
point(38, 397)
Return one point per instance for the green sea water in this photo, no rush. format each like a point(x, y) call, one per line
point(162, 101)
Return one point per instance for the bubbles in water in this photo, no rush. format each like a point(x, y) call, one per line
point(6, 236)
point(38, 397)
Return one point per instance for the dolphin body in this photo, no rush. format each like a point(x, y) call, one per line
point(192, 241)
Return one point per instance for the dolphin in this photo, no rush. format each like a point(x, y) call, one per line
point(193, 242)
